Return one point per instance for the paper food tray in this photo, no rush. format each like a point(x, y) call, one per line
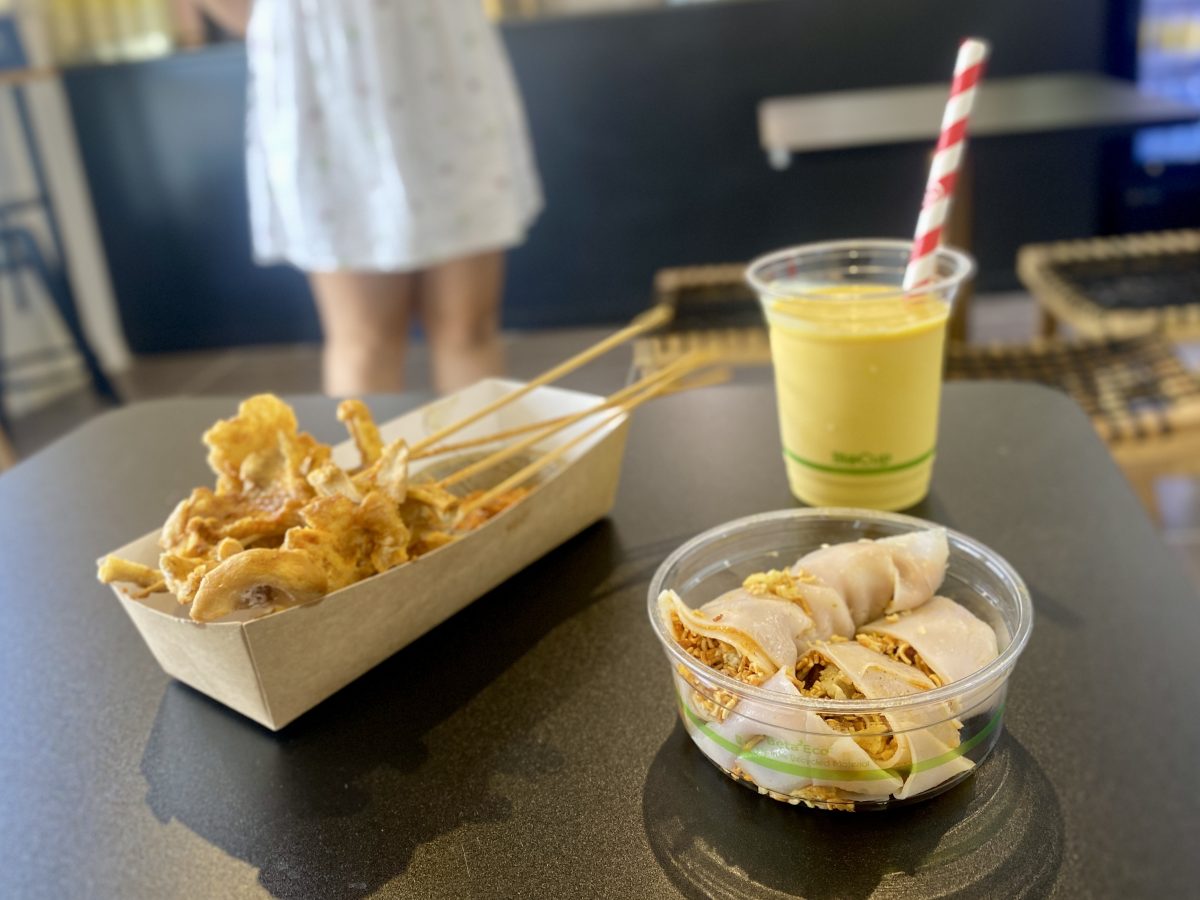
point(276, 667)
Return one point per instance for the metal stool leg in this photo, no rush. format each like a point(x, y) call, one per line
point(1047, 324)
point(60, 293)
point(57, 282)
point(8, 456)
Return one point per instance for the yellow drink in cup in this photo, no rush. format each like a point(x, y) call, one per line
point(858, 368)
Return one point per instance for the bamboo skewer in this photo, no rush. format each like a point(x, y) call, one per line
point(494, 437)
point(647, 321)
point(533, 468)
point(673, 372)
point(707, 379)
point(524, 474)
point(715, 376)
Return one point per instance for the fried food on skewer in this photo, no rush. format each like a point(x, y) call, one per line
point(285, 525)
point(362, 428)
point(148, 580)
point(262, 451)
point(330, 481)
point(490, 509)
point(388, 473)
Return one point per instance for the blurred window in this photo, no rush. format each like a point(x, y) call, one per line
point(1169, 66)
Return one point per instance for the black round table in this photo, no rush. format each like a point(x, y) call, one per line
point(529, 745)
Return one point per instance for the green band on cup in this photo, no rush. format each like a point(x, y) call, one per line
point(824, 774)
point(850, 470)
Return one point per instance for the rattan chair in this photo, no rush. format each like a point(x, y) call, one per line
point(714, 310)
point(1117, 286)
point(1142, 401)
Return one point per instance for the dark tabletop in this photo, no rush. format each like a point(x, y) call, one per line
point(529, 745)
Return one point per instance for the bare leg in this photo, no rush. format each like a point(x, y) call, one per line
point(364, 317)
point(460, 307)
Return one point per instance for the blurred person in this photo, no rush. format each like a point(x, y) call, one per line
point(388, 157)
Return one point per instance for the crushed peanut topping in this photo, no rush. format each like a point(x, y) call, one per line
point(900, 651)
point(820, 679)
point(817, 678)
point(820, 797)
point(715, 704)
point(716, 654)
point(738, 772)
point(781, 584)
point(869, 731)
point(804, 576)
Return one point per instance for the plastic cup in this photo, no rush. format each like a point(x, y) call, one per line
point(773, 743)
point(858, 367)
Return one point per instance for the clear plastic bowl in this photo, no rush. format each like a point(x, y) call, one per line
point(771, 742)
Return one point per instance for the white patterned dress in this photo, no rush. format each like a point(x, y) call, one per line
point(383, 135)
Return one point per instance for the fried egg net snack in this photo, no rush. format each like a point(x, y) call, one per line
point(285, 525)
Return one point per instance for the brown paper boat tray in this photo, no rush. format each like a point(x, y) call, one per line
point(276, 667)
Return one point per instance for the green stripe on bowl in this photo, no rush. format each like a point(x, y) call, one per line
point(824, 774)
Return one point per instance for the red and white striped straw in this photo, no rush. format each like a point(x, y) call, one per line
point(947, 160)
